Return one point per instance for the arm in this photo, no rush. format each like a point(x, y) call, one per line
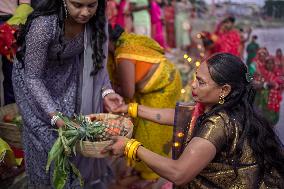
point(110, 99)
point(196, 156)
point(126, 75)
point(163, 116)
point(37, 44)
point(208, 140)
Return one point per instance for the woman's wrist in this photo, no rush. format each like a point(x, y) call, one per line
point(130, 151)
point(56, 120)
point(106, 92)
point(133, 109)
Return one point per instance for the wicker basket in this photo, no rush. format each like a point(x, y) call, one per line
point(9, 132)
point(93, 149)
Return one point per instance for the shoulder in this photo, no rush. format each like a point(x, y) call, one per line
point(215, 129)
point(45, 24)
point(219, 119)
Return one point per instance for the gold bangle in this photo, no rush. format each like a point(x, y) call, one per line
point(133, 109)
point(130, 151)
point(127, 146)
point(133, 150)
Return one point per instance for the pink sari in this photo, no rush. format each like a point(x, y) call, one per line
point(111, 12)
point(123, 16)
point(157, 25)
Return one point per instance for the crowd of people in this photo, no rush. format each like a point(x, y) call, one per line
point(80, 56)
point(168, 22)
point(266, 68)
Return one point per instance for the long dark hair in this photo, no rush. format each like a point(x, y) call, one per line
point(225, 68)
point(56, 7)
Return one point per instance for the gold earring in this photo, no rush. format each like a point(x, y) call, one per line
point(221, 99)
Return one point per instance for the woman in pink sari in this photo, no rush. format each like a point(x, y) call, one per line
point(111, 12)
point(124, 16)
point(157, 23)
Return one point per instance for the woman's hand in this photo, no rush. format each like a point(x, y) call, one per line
point(117, 147)
point(121, 109)
point(113, 101)
point(60, 123)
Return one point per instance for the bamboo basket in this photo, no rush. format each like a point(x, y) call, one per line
point(9, 132)
point(93, 149)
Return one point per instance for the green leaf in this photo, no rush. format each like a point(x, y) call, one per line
point(59, 176)
point(77, 173)
point(81, 144)
point(55, 151)
point(74, 150)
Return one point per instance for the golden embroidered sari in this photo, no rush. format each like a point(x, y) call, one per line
point(162, 90)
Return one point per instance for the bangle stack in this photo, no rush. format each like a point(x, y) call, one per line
point(107, 92)
point(133, 110)
point(130, 151)
point(54, 119)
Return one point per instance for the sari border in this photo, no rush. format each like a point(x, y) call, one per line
point(154, 77)
point(139, 58)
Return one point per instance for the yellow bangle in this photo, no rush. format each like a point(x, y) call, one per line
point(133, 109)
point(130, 151)
point(127, 146)
point(134, 156)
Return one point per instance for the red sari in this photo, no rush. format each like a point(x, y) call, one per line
point(279, 62)
point(227, 42)
point(272, 77)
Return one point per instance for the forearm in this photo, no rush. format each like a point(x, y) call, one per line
point(195, 157)
point(164, 167)
point(41, 97)
point(163, 116)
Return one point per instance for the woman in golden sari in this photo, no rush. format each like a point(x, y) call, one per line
point(141, 73)
point(231, 145)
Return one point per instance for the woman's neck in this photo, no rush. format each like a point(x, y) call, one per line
point(71, 22)
point(72, 28)
point(207, 108)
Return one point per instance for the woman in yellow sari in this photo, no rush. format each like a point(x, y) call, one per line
point(141, 73)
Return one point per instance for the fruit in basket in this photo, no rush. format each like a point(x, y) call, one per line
point(74, 133)
point(17, 120)
point(8, 118)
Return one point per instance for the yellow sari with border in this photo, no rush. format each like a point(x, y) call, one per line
point(162, 90)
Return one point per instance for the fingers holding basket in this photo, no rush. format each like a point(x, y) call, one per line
point(117, 147)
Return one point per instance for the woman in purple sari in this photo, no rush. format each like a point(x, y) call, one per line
point(61, 68)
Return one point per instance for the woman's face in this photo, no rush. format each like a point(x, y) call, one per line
point(204, 89)
point(279, 53)
point(82, 10)
point(228, 25)
point(269, 65)
point(263, 56)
